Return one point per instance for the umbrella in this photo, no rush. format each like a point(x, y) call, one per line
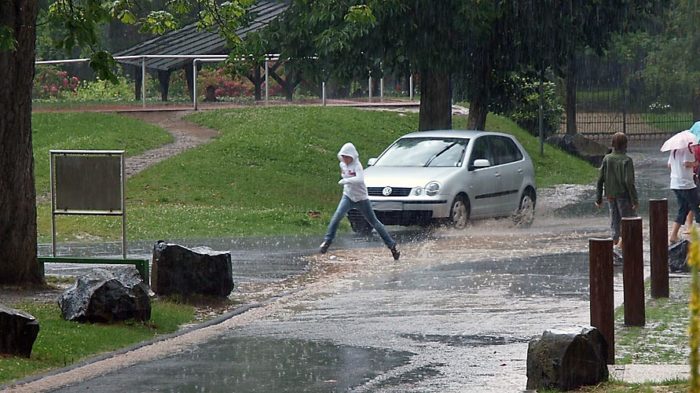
point(695, 129)
point(680, 140)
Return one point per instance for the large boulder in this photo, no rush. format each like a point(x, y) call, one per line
point(678, 257)
point(566, 360)
point(18, 330)
point(107, 296)
point(580, 146)
point(182, 271)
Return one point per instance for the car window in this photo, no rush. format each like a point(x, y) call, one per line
point(504, 150)
point(422, 152)
point(481, 151)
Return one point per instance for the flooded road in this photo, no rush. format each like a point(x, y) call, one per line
point(455, 314)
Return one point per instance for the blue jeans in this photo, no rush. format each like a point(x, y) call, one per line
point(619, 208)
point(365, 207)
point(687, 201)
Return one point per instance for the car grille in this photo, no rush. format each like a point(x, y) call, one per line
point(395, 191)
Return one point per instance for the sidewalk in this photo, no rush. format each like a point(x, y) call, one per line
point(641, 373)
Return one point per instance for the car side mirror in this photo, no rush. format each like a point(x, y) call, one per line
point(371, 161)
point(481, 163)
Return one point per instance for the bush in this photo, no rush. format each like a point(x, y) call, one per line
point(99, 90)
point(526, 103)
point(51, 82)
point(224, 85)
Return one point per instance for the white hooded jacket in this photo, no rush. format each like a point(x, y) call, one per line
point(353, 180)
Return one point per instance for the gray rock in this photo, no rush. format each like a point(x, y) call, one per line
point(566, 360)
point(181, 271)
point(18, 330)
point(580, 146)
point(678, 257)
point(107, 296)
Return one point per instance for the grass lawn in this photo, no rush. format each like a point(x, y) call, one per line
point(267, 173)
point(61, 343)
point(670, 122)
point(88, 131)
point(664, 337)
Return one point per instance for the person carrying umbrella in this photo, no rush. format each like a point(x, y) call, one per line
point(681, 162)
point(695, 130)
point(616, 177)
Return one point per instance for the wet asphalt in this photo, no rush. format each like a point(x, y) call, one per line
point(454, 315)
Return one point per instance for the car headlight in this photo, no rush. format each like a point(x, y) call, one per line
point(432, 188)
point(417, 191)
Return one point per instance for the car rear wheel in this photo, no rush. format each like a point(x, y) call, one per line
point(526, 210)
point(359, 225)
point(459, 213)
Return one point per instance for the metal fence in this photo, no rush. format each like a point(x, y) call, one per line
point(616, 97)
point(211, 87)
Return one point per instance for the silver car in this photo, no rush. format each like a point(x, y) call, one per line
point(450, 176)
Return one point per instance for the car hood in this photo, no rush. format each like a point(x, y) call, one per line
point(377, 176)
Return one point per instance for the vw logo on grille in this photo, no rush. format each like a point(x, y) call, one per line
point(386, 191)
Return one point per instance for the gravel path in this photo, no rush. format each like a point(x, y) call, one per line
point(187, 135)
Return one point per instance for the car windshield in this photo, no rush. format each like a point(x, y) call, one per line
point(425, 152)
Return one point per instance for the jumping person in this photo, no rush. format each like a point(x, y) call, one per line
point(355, 197)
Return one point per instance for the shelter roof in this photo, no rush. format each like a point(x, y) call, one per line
point(190, 40)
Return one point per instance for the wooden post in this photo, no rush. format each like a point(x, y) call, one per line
point(658, 236)
point(600, 258)
point(633, 271)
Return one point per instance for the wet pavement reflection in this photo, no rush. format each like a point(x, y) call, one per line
point(237, 364)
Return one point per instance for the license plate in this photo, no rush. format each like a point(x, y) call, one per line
point(387, 205)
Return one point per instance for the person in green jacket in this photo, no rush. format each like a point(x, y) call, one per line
point(616, 178)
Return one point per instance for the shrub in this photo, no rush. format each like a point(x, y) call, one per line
point(100, 90)
point(526, 104)
point(51, 82)
point(224, 85)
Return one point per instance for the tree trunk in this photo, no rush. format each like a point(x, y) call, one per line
point(189, 77)
point(256, 79)
point(288, 84)
point(435, 101)
point(571, 96)
point(478, 109)
point(164, 81)
point(18, 256)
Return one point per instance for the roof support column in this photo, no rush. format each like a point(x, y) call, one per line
point(143, 81)
point(369, 87)
point(193, 84)
point(267, 81)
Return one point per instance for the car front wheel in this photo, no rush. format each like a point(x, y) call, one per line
point(459, 213)
point(526, 210)
point(359, 225)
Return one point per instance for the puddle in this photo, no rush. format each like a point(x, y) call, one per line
point(252, 364)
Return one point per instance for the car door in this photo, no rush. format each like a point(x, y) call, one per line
point(482, 183)
point(510, 165)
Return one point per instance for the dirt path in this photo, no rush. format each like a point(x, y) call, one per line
point(187, 135)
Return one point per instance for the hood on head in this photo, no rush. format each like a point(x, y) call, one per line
point(349, 149)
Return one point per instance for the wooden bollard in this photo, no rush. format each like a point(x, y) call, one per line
point(600, 271)
point(633, 271)
point(658, 237)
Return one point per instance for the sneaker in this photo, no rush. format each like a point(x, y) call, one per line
point(395, 253)
point(323, 248)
